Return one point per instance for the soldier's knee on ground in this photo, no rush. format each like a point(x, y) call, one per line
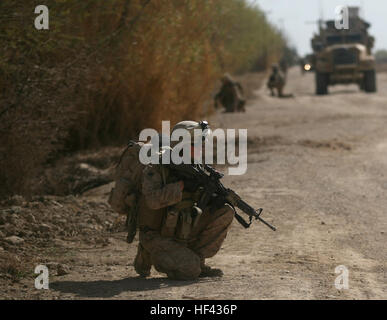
point(179, 263)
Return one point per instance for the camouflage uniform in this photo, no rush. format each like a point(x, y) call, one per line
point(230, 95)
point(276, 81)
point(160, 244)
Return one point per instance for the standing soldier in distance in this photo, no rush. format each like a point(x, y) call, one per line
point(276, 81)
point(230, 95)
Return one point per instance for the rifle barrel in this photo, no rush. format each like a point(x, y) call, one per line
point(246, 208)
point(266, 223)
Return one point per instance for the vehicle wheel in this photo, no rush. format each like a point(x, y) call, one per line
point(370, 81)
point(321, 83)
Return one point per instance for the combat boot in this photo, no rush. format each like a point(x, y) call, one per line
point(207, 271)
point(142, 262)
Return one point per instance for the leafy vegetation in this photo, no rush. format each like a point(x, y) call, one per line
point(381, 56)
point(106, 69)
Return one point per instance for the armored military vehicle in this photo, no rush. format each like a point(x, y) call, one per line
point(343, 56)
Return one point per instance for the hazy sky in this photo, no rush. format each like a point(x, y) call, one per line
point(296, 17)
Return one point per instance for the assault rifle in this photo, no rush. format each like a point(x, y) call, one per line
point(207, 177)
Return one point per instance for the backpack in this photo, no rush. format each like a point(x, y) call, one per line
point(124, 195)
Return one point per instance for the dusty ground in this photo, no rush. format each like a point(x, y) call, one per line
point(318, 167)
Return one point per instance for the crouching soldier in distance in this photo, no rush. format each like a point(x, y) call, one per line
point(230, 95)
point(174, 235)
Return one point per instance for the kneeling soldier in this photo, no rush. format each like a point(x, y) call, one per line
point(176, 236)
point(230, 95)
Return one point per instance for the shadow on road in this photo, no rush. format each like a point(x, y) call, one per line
point(331, 93)
point(111, 288)
point(344, 91)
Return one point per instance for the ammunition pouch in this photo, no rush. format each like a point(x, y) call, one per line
point(180, 219)
point(188, 219)
point(170, 222)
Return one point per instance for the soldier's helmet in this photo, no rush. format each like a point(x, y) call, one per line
point(226, 78)
point(275, 66)
point(199, 131)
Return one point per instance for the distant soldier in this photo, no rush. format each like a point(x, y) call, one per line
point(276, 81)
point(230, 95)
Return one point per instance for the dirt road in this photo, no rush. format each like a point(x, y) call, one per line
point(318, 167)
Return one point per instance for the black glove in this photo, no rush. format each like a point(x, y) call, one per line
point(190, 185)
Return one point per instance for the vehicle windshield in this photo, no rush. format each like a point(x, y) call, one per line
point(331, 40)
point(337, 39)
point(353, 38)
